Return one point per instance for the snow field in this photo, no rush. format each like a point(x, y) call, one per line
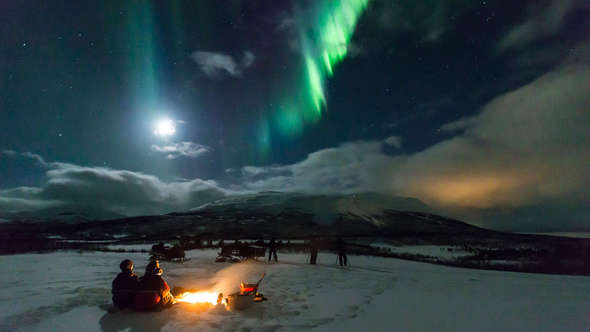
point(448, 253)
point(70, 291)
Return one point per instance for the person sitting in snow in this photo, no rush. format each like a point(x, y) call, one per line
point(125, 285)
point(154, 292)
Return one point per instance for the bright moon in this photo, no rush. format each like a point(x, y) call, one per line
point(164, 128)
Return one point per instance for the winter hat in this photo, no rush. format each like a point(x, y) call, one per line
point(153, 268)
point(126, 265)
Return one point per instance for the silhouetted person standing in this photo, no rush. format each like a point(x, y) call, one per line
point(341, 249)
point(272, 250)
point(313, 251)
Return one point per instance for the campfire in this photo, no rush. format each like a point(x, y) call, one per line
point(247, 295)
point(199, 297)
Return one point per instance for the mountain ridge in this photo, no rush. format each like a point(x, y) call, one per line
point(324, 207)
point(269, 214)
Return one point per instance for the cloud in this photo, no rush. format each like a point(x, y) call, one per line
point(350, 167)
point(35, 157)
point(13, 154)
point(9, 153)
point(541, 22)
point(394, 141)
point(511, 152)
point(23, 199)
point(182, 149)
point(248, 59)
point(526, 148)
point(214, 64)
point(431, 19)
point(121, 191)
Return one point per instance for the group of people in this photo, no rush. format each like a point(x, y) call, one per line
point(152, 292)
point(339, 246)
point(314, 244)
point(146, 293)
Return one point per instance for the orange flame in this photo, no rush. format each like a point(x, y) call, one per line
point(198, 297)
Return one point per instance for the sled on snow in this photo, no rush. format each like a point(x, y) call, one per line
point(235, 253)
point(164, 253)
point(250, 288)
point(247, 296)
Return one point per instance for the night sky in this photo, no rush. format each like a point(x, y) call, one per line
point(480, 109)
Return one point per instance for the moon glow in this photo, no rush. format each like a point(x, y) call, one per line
point(164, 128)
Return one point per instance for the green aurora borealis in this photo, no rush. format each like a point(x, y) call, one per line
point(323, 31)
point(329, 45)
point(324, 34)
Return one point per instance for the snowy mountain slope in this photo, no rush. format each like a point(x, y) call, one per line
point(287, 215)
point(324, 208)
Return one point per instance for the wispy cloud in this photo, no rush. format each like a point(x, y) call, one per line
point(248, 59)
point(215, 64)
point(122, 191)
point(182, 149)
point(542, 21)
point(35, 157)
point(431, 19)
point(13, 154)
point(9, 153)
point(394, 141)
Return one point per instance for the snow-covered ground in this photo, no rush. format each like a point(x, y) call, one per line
point(130, 247)
point(70, 291)
point(443, 253)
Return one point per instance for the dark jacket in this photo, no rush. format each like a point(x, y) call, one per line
point(124, 287)
point(340, 246)
point(154, 282)
point(153, 292)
